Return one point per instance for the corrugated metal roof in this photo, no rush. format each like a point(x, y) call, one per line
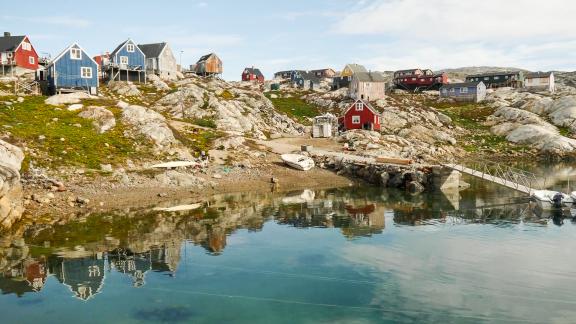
point(152, 50)
point(10, 43)
point(487, 74)
point(356, 68)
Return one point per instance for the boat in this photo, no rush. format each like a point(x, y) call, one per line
point(174, 164)
point(298, 161)
point(179, 208)
point(549, 199)
point(305, 197)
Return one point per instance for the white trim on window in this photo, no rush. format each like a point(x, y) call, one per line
point(31, 60)
point(464, 90)
point(359, 106)
point(124, 60)
point(130, 48)
point(86, 72)
point(355, 119)
point(75, 54)
point(26, 46)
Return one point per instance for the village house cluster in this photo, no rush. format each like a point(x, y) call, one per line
point(74, 69)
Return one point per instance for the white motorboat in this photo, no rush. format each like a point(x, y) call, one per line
point(549, 199)
point(305, 197)
point(298, 161)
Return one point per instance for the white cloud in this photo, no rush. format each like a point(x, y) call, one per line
point(202, 4)
point(66, 21)
point(457, 20)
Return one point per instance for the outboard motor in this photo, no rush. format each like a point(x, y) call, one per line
point(557, 200)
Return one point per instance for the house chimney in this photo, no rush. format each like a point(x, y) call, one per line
point(6, 34)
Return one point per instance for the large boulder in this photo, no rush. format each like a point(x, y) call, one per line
point(11, 206)
point(150, 124)
point(102, 118)
point(68, 98)
point(158, 83)
point(124, 88)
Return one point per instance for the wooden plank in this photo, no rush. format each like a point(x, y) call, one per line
point(385, 159)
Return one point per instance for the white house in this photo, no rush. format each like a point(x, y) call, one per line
point(160, 60)
point(540, 81)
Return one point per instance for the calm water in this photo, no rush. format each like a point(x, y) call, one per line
point(357, 255)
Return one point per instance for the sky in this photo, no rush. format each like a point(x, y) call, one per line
point(383, 35)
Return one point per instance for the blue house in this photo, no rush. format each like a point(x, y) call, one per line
point(71, 70)
point(127, 63)
point(467, 91)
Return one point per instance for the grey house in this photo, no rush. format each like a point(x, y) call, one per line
point(160, 60)
point(466, 91)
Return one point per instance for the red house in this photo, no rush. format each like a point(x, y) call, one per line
point(360, 115)
point(17, 55)
point(252, 74)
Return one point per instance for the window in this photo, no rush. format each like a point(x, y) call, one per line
point(413, 79)
point(359, 106)
point(86, 72)
point(75, 54)
point(486, 78)
point(124, 60)
point(464, 90)
point(506, 77)
point(26, 46)
point(130, 48)
point(31, 60)
point(496, 78)
point(355, 119)
point(444, 91)
point(452, 90)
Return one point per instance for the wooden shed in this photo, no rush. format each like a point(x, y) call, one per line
point(360, 115)
point(540, 81)
point(209, 65)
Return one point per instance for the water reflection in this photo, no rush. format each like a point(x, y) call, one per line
point(85, 253)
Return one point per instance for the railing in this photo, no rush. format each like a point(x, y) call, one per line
point(511, 177)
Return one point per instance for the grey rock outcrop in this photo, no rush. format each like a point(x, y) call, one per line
point(149, 123)
point(11, 206)
point(102, 118)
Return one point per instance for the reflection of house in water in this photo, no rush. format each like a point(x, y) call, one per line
point(28, 276)
point(354, 218)
point(165, 258)
point(216, 241)
point(134, 265)
point(84, 276)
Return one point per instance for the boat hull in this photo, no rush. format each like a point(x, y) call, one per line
point(297, 161)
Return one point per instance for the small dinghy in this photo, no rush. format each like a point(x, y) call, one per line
point(179, 208)
point(549, 199)
point(298, 161)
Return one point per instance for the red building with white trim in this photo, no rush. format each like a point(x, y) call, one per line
point(17, 55)
point(252, 74)
point(360, 115)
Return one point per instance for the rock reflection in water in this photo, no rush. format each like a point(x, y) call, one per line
point(81, 253)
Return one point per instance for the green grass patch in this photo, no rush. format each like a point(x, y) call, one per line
point(204, 122)
point(295, 107)
point(68, 140)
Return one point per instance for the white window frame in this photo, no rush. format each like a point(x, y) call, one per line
point(464, 90)
point(452, 90)
point(73, 52)
point(359, 106)
point(122, 58)
point(26, 46)
point(88, 74)
point(496, 77)
point(31, 60)
point(9, 54)
point(486, 78)
point(356, 119)
point(130, 48)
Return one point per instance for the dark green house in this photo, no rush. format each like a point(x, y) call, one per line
point(514, 79)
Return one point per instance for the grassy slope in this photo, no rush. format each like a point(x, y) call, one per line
point(295, 107)
point(65, 143)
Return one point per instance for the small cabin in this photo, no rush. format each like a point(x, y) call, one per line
point(514, 79)
point(466, 92)
point(419, 80)
point(252, 74)
point(160, 60)
point(127, 63)
point(324, 125)
point(72, 70)
point(209, 65)
point(540, 81)
point(360, 115)
point(306, 80)
point(367, 86)
point(17, 55)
